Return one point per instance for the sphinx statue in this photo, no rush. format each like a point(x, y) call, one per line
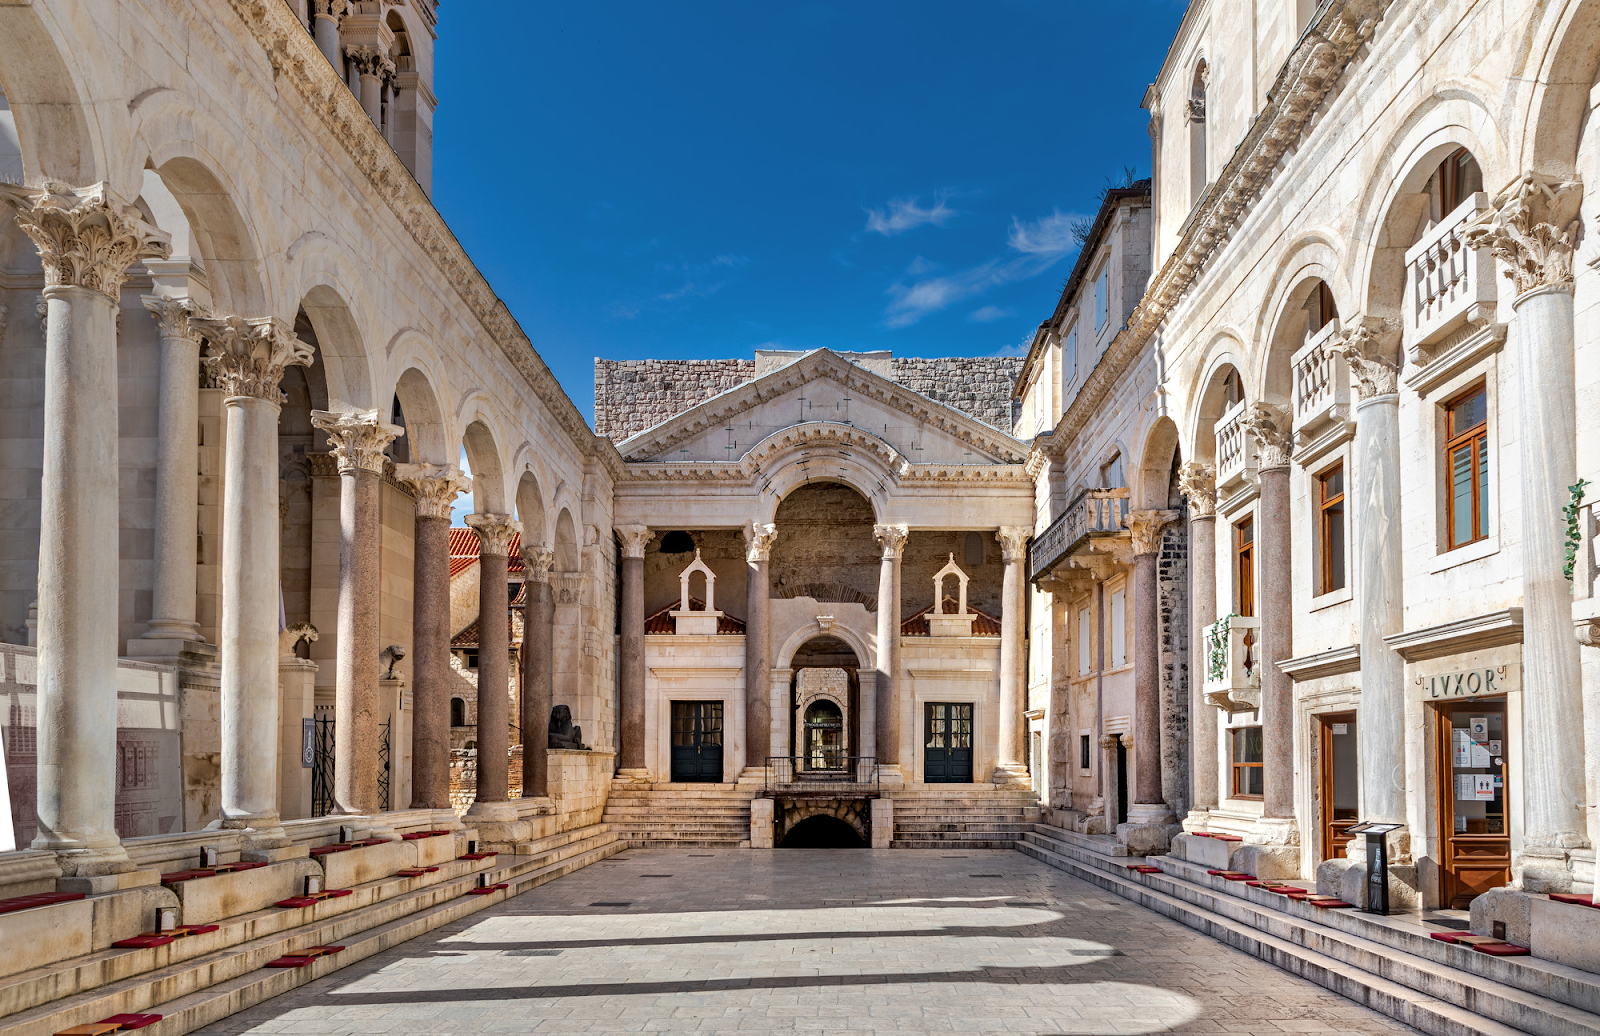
point(563, 734)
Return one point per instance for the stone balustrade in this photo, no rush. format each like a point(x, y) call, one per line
point(1092, 513)
point(1321, 385)
point(1236, 449)
point(1446, 280)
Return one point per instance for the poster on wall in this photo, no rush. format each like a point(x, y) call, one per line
point(1483, 787)
point(1479, 726)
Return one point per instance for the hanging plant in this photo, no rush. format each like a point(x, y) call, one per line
point(1574, 532)
point(1217, 649)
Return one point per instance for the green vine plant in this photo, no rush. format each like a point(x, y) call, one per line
point(1574, 531)
point(1217, 649)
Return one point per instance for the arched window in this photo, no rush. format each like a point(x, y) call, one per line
point(458, 712)
point(1457, 179)
point(399, 450)
point(1199, 174)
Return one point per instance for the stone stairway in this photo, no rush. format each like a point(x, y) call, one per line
point(1389, 964)
point(203, 978)
point(976, 816)
point(680, 816)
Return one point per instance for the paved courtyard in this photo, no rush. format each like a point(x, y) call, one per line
point(819, 940)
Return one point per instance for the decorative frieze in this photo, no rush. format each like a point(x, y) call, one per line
point(1198, 483)
point(495, 533)
point(1532, 229)
point(86, 236)
point(758, 540)
point(248, 356)
point(359, 437)
point(433, 486)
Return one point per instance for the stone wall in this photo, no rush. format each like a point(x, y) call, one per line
point(633, 395)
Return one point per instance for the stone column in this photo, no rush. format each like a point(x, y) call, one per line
point(372, 66)
point(495, 532)
point(1009, 768)
point(358, 439)
point(885, 686)
point(1533, 232)
point(630, 664)
point(177, 472)
point(325, 17)
point(758, 540)
point(87, 238)
point(1148, 806)
point(1199, 484)
point(1111, 779)
point(247, 361)
point(538, 652)
point(1269, 423)
point(435, 487)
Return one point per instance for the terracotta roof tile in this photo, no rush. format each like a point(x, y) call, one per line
point(661, 621)
point(464, 551)
point(984, 625)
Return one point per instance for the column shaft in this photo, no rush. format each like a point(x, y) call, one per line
point(1203, 612)
point(355, 759)
point(1380, 584)
point(325, 30)
point(1277, 690)
point(494, 687)
point(757, 664)
point(631, 754)
point(430, 664)
point(538, 652)
point(1146, 682)
point(886, 688)
point(1008, 749)
point(177, 475)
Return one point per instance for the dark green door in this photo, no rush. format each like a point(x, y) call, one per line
point(697, 741)
point(947, 742)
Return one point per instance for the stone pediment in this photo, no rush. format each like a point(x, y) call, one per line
point(824, 398)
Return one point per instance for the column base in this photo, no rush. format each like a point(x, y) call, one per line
point(260, 833)
point(1542, 868)
point(1011, 775)
point(632, 775)
point(499, 823)
point(1149, 830)
point(100, 884)
point(90, 863)
point(891, 776)
point(183, 652)
point(171, 629)
point(1197, 820)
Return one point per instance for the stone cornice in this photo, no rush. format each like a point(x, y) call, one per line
point(1321, 57)
point(295, 58)
point(822, 363)
point(914, 474)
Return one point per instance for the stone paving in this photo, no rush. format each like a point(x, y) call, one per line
point(819, 940)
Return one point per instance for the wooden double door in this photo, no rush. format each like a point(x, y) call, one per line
point(947, 742)
point(1474, 798)
point(697, 741)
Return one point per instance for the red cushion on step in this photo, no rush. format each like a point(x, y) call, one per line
point(292, 961)
point(1237, 877)
point(1216, 873)
point(143, 942)
point(133, 1021)
point(1502, 949)
point(299, 901)
point(1228, 838)
point(193, 929)
point(1148, 870)
point(1568, 897)
point(336, 893)
point(1329, 904)
point(1201, 834)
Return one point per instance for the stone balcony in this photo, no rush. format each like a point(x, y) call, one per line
point(1233, 671)
point(1448, 284)
point(1093, 514)
point(1236, 451)
point(1321, 384)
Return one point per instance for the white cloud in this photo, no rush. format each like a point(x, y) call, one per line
point(1048, 235)
point(905, 214)
point(988, 314)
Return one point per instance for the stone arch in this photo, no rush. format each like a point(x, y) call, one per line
point(865, 656)
point(488, 474)
point(824, 824)
point(1153, 490)
point(426, 436)
point(1207, 396)
point(568, 558)
point(42, 94)
point(341, 349)
point(1313, 260)
point(857, 458)
point(825, 540)
point(530, 510)
point(1563, 62)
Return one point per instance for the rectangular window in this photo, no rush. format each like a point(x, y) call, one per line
point(1111, 473)
point(1330, 528)
point(1466, 461)
point(1245, 756)
point(1119, 629)
point(1102, 298)
point(1244, 566)
point(1069, 358)
point(1083, 751)
point(1085, 648)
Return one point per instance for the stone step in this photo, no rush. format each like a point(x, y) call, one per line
point(1440, 989)
point(687, 843)
point(117, 981)
point(952, 843)
point(1101, 845)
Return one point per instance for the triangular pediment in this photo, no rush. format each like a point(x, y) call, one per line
point(823, 387)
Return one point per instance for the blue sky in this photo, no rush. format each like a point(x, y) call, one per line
point(697, 180)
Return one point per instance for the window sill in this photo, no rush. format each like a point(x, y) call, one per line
point(1331, 598)
point(1462, 555)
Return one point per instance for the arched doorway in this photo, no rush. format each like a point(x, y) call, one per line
point(822, 832)
point(825, 704)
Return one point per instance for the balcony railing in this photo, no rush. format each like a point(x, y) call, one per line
point(1233, 666)
point(1445, 279)
point(1236, 448)
point(822, 773)
point(1093, 512)
point(1321, 384)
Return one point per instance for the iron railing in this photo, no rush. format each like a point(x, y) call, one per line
point(322, 769)
point(1093, 512)
point(384, 764)
point(841, 774)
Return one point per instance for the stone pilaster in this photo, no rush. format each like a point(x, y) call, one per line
point(538, 654)
point(86, 238)
point(1269, 424)
point(1149, 808)
point(886, 683)
point(1009, 767)
point(630, 664)
point(1532, 231)
point(1199, 485)
point(435, 488)
point(495, 533)
point(358, 440)
point(758, 540)
point(247, 359)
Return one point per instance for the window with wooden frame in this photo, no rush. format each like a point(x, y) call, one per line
point(1245, 758)
point(1466, 466)
point(1459, 179)
point(1330, 529)
point(1244, 566)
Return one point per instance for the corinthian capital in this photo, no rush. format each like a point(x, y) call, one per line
point(758, 540)
point(1013, 542)
point(86, 236)
point(1363, 346)
point(335, 9)
point(1269, 424)
point(172, 316)
point(892, 538)
point(1533, 229)
point(495, 533)
point(248, 356)
point(635, 538)
point(1199, 484)
point(369, 61)
point(434, 486)
point(538, 561)
point(1147, 527)
point(359, 437)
